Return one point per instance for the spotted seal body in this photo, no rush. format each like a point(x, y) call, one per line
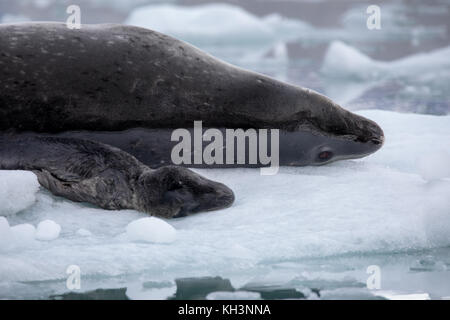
point(130, 87)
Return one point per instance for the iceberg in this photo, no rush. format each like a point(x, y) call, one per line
point(342, 60)
point(198, 24)
point(348, 74)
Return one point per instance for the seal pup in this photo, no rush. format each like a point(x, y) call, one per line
point(130, 87)
point(88, 171)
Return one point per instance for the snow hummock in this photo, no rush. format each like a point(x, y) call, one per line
point(17, 191)
point(151, 229)
point(47, 230)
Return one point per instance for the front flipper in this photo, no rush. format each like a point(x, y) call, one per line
point(88, 171)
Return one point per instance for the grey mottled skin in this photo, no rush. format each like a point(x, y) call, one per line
point(87, 171)
point(114, 78)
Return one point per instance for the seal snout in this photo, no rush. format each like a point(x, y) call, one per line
point(377, 135)
point(223, 197)
point(183, 192)
point(219, 197)
point(377, 140)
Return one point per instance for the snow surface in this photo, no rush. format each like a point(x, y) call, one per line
point(377, 204)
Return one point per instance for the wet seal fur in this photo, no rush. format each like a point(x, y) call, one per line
point(129, 88)
point(88, 171)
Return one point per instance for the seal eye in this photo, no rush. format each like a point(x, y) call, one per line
point(325, 155)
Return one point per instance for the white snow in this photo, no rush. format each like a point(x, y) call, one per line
point(378, 204)
point(17, 191)
point(151, 230)
point(48, 230)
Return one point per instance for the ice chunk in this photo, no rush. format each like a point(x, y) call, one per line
point(48, 230)
point(17, 191)
point(151, 229)
point(342, 60)
point(198, 24)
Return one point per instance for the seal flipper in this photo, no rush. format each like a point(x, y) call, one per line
point(88, 171)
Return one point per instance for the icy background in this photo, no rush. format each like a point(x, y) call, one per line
point(305, 228)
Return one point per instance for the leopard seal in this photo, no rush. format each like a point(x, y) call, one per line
point(130, 87)
point(89, 171)
point(124, 89)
